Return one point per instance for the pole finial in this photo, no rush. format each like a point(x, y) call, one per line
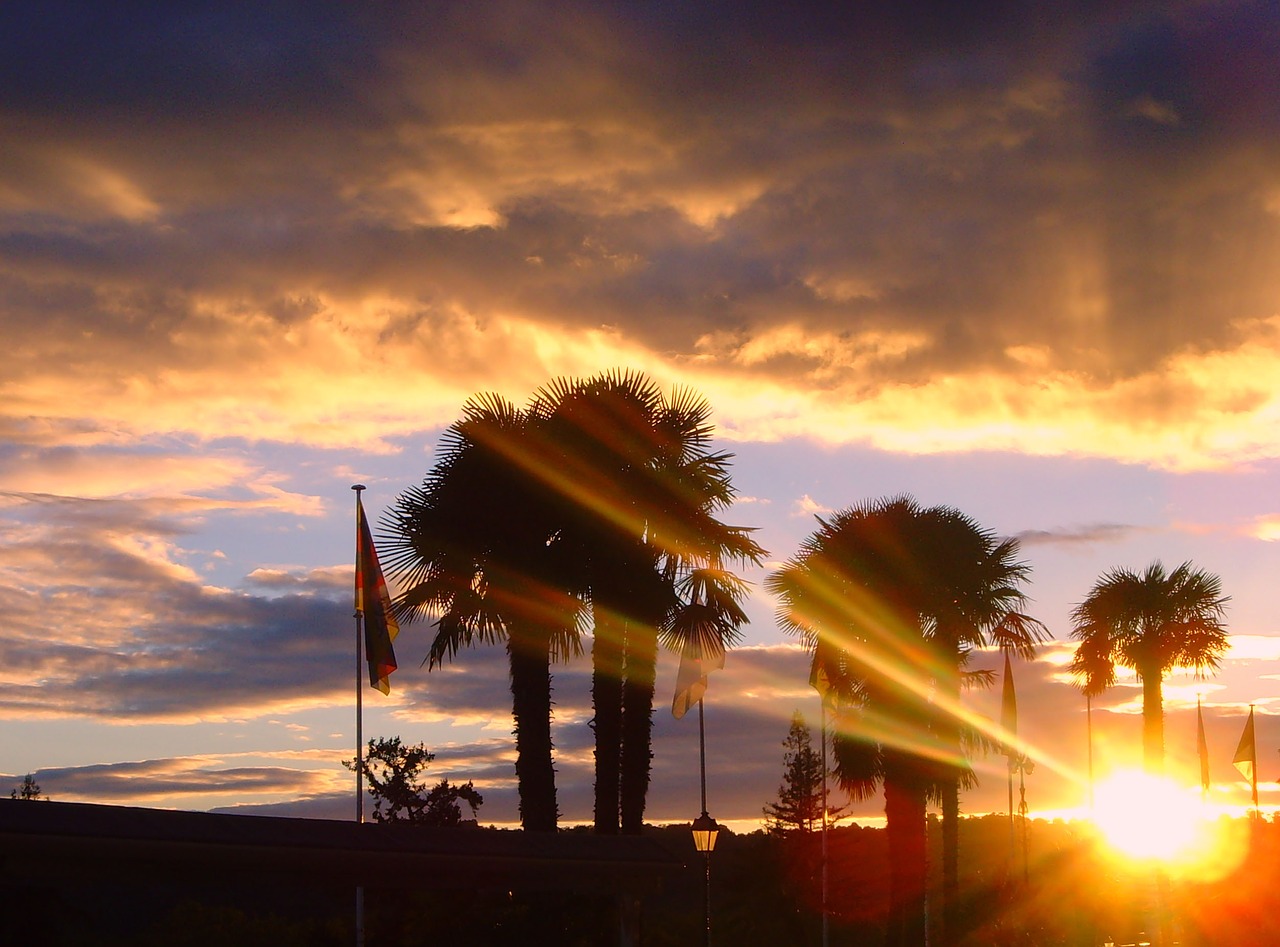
point(357, 487)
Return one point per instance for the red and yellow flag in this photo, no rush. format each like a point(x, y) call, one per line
point(373, 602)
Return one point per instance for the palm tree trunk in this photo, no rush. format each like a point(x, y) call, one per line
point(606, 698)
point(530, 659)
point(950, 860)
point(950, 732)
point(1152, 722)
point(905, 828)
point(637, 724)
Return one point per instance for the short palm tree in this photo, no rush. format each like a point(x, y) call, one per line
point(475, 549)
point(1150, 622)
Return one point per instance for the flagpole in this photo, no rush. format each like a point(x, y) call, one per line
point(1202, 751)
point(1088, 711)
point(1257, 813)
point(1013, 837)
point(822, 712)
point(359, 617)
point(1009, 723)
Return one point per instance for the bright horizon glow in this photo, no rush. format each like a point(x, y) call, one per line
point(1154, 819)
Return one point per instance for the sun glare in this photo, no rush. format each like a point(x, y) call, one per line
point(1150, 818)
point(1145, 816)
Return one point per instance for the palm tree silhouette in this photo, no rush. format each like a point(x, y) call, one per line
point(476, 548)
point(891, 598)
point(1150, 622)
point(639, 489)
point(597, 502)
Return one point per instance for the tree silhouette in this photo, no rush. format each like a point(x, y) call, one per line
point(28, 789)
point(637, 488)
point(1150, 622)
point(891, 598)
point(476, 549)
point(800, 797)
point(394, 772)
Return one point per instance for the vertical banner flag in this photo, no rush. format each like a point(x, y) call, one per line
point(373, 602)
point(820, 681)
point(691, 679)
point(1202, 748)
point(1009, 708)
point(1246, 758)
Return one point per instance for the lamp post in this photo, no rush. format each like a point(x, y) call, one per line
point(705, 830)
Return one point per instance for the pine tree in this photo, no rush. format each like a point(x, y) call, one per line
point(29, 790)
point(799, 805)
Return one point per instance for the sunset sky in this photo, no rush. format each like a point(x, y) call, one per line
point(1021, 259)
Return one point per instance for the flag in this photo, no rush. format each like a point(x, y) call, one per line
point(1202, 747)
point(373, 602)
point(1246, 758)
point(691, 679)
point(820, 681)
point(1009, 708)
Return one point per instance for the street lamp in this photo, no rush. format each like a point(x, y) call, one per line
point(705, 830)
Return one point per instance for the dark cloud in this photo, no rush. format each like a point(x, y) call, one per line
point(167, 777)
point(965, 166)
point(1096, 533)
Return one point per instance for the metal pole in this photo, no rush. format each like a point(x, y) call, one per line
point(359, 616)
point(702, 782)
point(1022, 811)
point(822, 711)
point(1013, 843)
point(1088, 710)
point(702, 757)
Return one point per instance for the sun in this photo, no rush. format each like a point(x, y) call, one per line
point(1147, 817)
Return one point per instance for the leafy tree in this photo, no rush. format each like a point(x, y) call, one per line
point(394, 772)
point(799, 803)
point(28, 790)
point(1150, 622)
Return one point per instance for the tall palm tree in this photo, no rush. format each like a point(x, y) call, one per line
point(892, 598)
point(475, 548)
point(971, 599)
point(1150, 622)
point(687, 486)
point(638, 487)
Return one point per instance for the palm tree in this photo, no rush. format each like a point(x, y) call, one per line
point(686, 487)
point(892, 598)
point(1151, 623)
point(475, 549)
point(972, 599)
point(637, 489)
